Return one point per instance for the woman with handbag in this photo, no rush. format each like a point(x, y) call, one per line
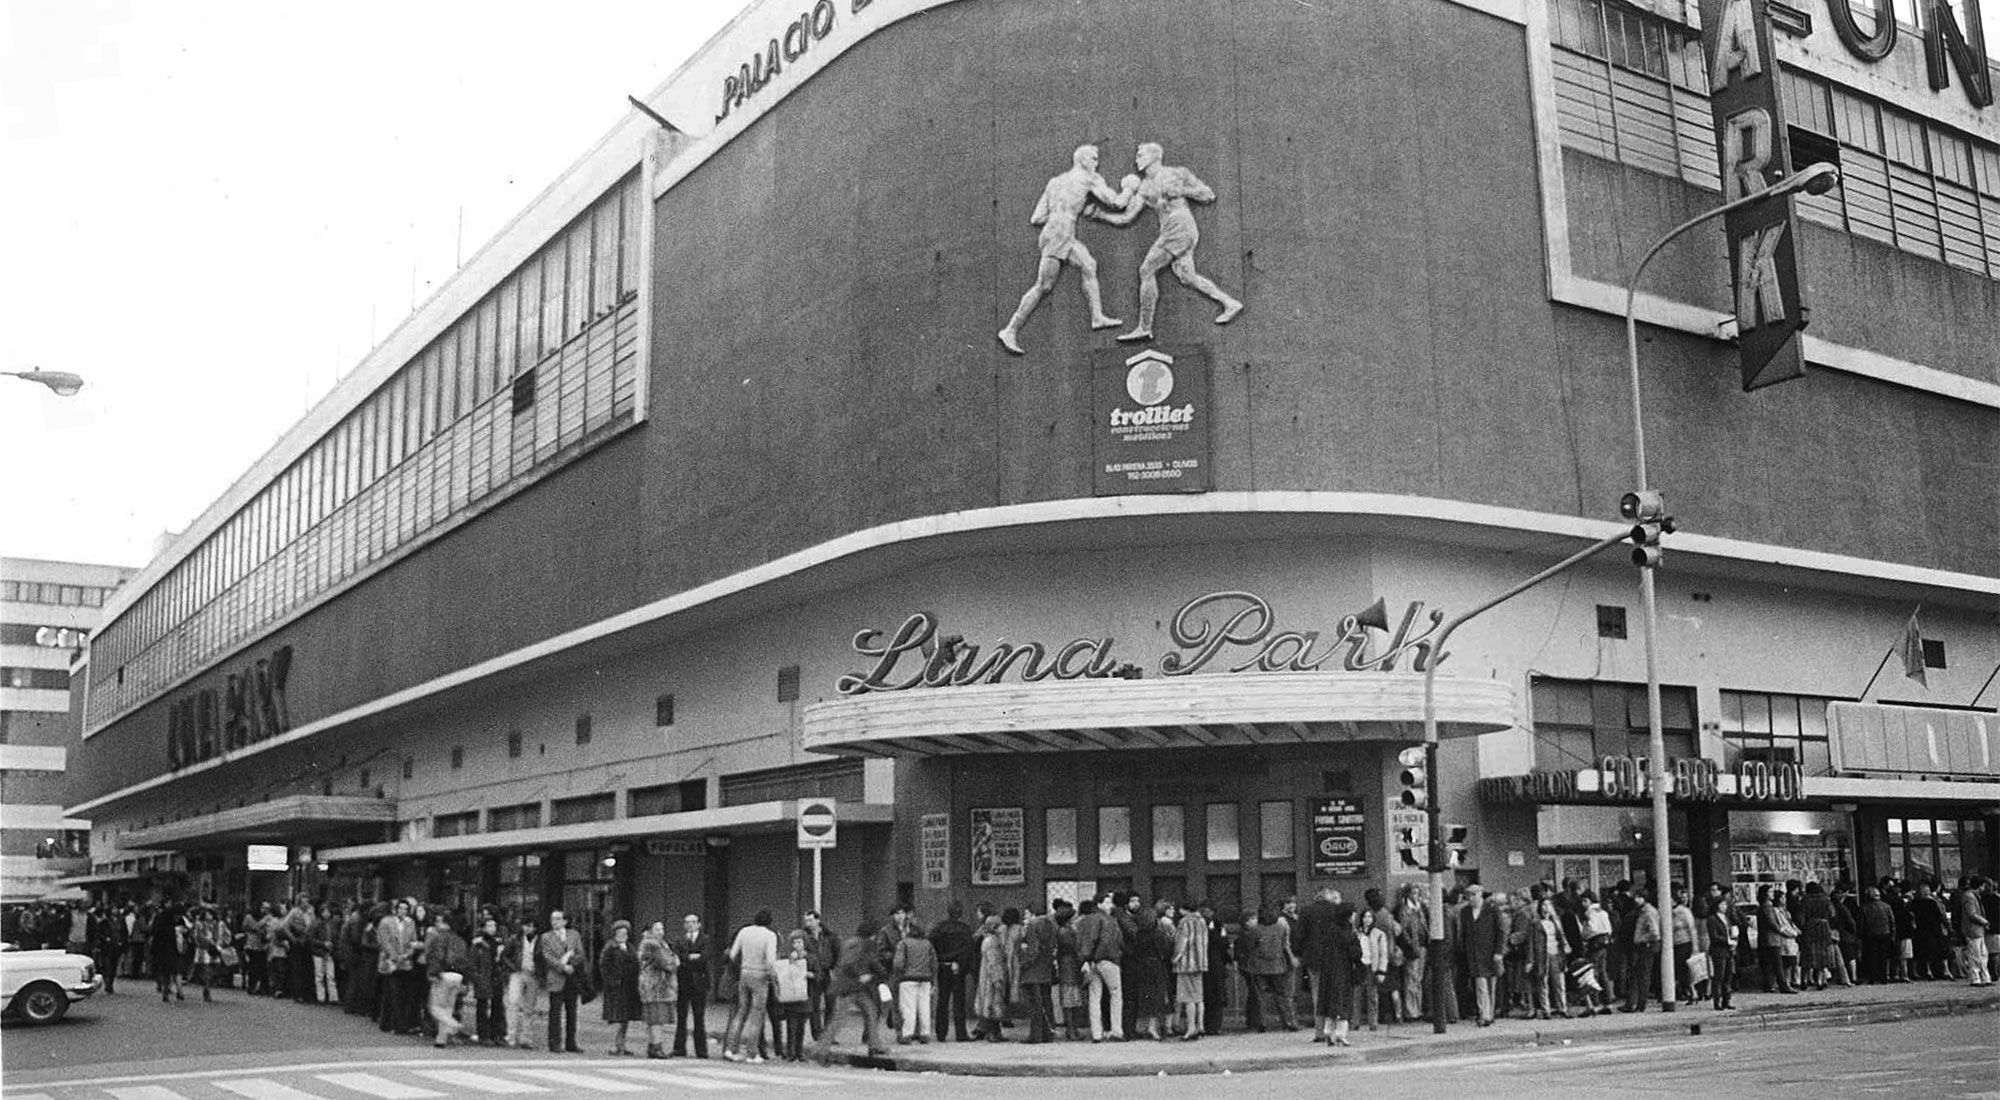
point(205, 935)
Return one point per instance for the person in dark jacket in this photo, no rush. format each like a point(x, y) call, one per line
point(1816, 951)
point(1215, 983)
point(1319, 927)
point(695, 952)
point(489, 984)
point(854, 981)
point(822, 952)
point(164, 948)
point(1037, 953)
point(446, 960)
point(1725, 933)
point(618, 975)
point(1878, 936)
point(956, 952)
point(1343, 956)
point(1483, 936)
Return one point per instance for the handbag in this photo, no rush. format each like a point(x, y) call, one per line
point(1697, 968)
point(586, 985)
point(229, 958)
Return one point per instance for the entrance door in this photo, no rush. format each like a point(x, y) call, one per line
point(588, 886)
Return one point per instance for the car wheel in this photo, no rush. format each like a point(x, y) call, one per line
point(42, 1003)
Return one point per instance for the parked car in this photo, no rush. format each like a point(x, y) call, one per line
point(39, 986)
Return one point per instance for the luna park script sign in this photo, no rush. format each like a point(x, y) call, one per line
point(1236, 631)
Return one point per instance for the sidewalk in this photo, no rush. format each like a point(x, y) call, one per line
point(1242, 1053)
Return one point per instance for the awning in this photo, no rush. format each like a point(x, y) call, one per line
point(776, 816)
point(1279, 708)
point(297, 819)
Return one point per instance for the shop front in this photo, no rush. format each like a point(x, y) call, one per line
point(1240, 789)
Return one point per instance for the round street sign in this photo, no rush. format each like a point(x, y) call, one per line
point(817, 828)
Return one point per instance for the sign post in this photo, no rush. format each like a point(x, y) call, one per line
point(818, 831)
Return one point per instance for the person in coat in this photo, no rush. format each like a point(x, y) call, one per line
point(822, 952)
point(1816, 944)
point(1548, 962)
point(1148, 970)
point(524, 997)
point(489, 984)
point(364, 984)
point(1190, 969)
point(1483, 938)
point(1069, 971)
point(561, 959)
point(695, 951)
point(1318, 929)
point(659, 987)
point(991, 997)
point(163, 946)
point(915, 968)
point(1346, 961)
point(956, 952)
point(1725, 933)
point(396, 948)
point(1264, 953)
point(618, 973)
point(1039, 948)
point(1215, 982)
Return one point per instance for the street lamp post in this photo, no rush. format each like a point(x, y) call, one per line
point(1815, 179)
point(1435, 971)
point(62, 382)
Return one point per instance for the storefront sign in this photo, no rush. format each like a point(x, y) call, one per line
point(1755, 151)
point(1339, 839)
point(668, 846)
point(786, 47)
point(999, 846)
point(934, 848)
point(249, 707)
point(1241, 624)
point(1624, 779)
point(1149, 421)
point(1945, 40)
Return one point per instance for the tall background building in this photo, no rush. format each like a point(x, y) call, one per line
point(47, 611)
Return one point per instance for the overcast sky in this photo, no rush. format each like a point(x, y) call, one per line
point(212, 209)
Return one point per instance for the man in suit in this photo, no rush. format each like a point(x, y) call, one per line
point(560, 950)
point(693, 948)
point(1484, 936)
point(1318, 925)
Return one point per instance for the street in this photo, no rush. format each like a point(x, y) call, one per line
point(112, 1049)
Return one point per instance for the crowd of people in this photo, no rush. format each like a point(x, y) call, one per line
point(1107, 969)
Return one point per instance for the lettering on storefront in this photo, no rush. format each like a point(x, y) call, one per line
point(1240, 624)
point(1624, 779)
point(249, 707)
point(786, 47)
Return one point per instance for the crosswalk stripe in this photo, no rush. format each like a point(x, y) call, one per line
point(134, 1092)
point(466, 1079)
point(754, 1077)
point(580, 1080)
point(683, 1080)
point(263, 1088)
point(378, 1086)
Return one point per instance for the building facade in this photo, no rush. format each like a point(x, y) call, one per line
point(707, 488)
point(47, 611)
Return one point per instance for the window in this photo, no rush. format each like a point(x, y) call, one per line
point(1935, 850)
point(1059, 836)
point(520, 881)
point(670, 798)
point(583, 729)
point(1169, 837)
point(513, 744)
point(1610, 621)
point(409, 767)
point(788, 684)
point(1114, 834)
point(464, 824)
point(1933, 653)
point(663, 710)
point(1579, 722)
point(577, 811)
point(501, 819)
point(1275, 831)
point(1775, 729)
point(1223, 845)
point(524, 392)
point(457, 757)
point(39, 679)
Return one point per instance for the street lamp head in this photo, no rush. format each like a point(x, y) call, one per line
point(62, 382)
point(1814, 179)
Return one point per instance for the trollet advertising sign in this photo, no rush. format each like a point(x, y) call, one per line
point(1149, 421)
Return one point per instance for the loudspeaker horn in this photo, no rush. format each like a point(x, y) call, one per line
point(1376, 615)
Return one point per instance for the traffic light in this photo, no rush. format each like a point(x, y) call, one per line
point(1416, 783)
point(1647, 511)
point(1456, 838)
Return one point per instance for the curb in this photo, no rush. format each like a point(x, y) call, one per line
point(1670, 1025)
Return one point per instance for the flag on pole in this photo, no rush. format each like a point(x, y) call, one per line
point(1913, 650)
